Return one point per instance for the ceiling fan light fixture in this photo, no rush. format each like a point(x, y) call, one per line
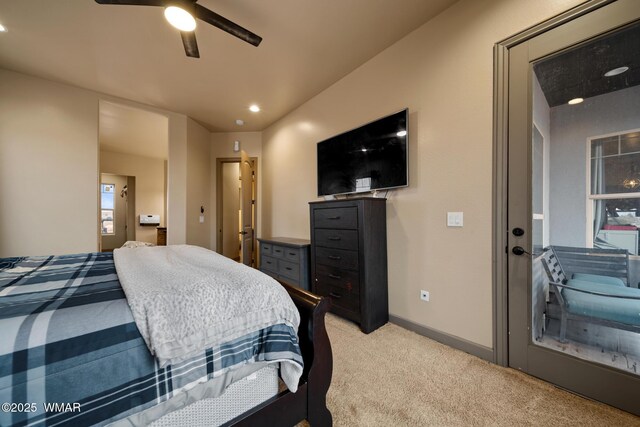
point(575, 101)
point(616, 71)
point(3, 29)
point(180, 18)
point(254, 108)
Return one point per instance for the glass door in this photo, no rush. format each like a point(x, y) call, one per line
point(574, 205)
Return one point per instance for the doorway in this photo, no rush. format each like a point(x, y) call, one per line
point(236, 205)
point(567, 202)
point(117, 210)
point(134, 143)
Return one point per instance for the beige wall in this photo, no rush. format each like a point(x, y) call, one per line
point(222, 147)
point(149, 192)
point(198, 185)
point(177, 182)
point(443, 72)
point(48, 167)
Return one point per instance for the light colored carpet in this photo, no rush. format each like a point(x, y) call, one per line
point(394, 377)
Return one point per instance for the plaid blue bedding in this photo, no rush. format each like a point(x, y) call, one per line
point(71, 354)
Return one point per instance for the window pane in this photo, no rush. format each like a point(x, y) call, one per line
point(107, 205)
point(630, 143)
point(609, 146)
point(618, 220)
point(616, 174)
point(106, 201)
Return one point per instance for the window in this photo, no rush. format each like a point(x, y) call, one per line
point(107, 204)
point(615, 190)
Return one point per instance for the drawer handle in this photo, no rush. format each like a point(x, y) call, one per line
point(292, 253)
point(335, 239)
point(335, 258)
point(334, 295)
point(334, 217)
point(333, 276)
point(268, 262)
point(278, 250)
point(289, 268)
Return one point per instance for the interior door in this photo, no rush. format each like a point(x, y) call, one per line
point(572, 174)
point(247, 177)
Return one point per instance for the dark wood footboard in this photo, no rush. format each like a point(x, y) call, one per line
point(310, 401)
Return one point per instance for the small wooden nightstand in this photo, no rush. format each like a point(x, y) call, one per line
point(162, 236)
point(286, 259)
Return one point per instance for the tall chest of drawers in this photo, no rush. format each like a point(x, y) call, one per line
point(349, 258)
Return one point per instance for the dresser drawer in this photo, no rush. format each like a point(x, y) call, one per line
point(340, 297)
point(269, 263)
point(277, 251)
point(344, 279)
point(265, 248)
point(341, 239)
point(344, 218)
point(289, 270)
point(292, 255)
point(340, 258)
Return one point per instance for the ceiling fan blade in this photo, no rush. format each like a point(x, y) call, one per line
point(133, 2)
point(225, 25)
point(190, 43)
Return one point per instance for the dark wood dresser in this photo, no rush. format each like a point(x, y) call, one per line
point(349, 258)
point(287, 259)
point(161, 239)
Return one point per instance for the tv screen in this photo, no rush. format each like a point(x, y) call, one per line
point(371, 157)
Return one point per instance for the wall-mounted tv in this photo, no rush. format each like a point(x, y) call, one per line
point(371, 157)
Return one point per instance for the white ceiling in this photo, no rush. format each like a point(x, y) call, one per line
point(129, 130)
point(133, 53)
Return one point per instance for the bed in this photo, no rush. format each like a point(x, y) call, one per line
point(69, 338)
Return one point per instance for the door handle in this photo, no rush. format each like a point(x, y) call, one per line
point(519, 250)
point(243, 232)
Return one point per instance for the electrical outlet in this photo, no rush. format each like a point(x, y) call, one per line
point(424, 295)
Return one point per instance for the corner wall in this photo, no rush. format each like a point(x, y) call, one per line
point(443, 72)
point(198, 189)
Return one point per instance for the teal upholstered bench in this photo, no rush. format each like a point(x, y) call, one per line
point(592, 297)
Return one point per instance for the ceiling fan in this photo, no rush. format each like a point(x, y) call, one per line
point(182, 14)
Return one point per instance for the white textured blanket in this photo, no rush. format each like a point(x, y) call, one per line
point(186, 299)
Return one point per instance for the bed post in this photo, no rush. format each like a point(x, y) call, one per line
point(316, 351)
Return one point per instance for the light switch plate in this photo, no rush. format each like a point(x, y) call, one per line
point(454, 219)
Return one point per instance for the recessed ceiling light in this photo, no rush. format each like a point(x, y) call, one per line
point(575, 101)
point(3, 29)
point(239, 122)
point(254, 108)
point(616, 71)
point(180, 18)
point(402, 133)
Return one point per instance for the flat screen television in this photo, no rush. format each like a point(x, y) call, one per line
point(371, 157)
